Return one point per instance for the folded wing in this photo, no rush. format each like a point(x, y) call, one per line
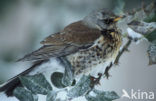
point(74, 37)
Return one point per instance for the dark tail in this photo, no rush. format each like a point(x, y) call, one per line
point(14, 82)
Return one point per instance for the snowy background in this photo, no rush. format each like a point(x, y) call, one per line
point(24, 23)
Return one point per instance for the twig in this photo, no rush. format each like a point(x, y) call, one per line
point(125, 48)
point(106, 73)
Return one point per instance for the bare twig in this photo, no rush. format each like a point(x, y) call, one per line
point(125, 48)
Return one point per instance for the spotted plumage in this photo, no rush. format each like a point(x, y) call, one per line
point(87, 43)
point(83, 47)
point(104, 49)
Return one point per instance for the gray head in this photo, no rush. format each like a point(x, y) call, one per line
point(101, 19)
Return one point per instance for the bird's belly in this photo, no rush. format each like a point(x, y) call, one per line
point(95, 58)
point(92, 60)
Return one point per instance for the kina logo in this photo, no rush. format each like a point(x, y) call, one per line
point(137, 94)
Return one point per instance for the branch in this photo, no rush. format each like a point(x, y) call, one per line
point(124, 49)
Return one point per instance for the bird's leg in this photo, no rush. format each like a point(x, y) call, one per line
point(106, 73)
point(95, 81)
point(68, 77)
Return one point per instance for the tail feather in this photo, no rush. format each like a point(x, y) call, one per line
point(10, 86)
point(14, 82)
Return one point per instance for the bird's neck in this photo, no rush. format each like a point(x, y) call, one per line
point(89, 22)
point(95, 24)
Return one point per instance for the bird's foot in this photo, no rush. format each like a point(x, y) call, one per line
point(107, 75)
point(95, 81)
point(116, 63)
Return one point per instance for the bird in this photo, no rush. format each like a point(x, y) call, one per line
point(94, 40)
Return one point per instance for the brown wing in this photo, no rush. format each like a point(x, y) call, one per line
point(76, 33)
point(74, 37)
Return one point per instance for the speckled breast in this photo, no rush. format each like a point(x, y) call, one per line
point(105, 48)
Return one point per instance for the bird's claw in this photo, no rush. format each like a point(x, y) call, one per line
point(95, 81)
point(107, 75)
point(116, 63)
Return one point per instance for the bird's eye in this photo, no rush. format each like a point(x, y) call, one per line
point(108, 21)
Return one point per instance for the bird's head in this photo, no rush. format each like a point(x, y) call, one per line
point(102, 19)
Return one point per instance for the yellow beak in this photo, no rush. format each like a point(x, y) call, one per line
point(118, 18)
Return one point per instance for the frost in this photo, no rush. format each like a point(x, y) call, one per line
point(81, 87)
point(36, 83)
point(133, 34)
point(24, 95)
point(142, 27)
point(51, 96)
point(92, 94)
point(62, 95)
point(152, 53)
point(102, 96)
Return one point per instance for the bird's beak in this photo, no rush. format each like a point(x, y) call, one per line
point(118, 18)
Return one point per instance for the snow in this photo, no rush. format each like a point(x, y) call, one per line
point(133, 34)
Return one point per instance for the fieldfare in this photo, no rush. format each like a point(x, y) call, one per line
point(86, 44)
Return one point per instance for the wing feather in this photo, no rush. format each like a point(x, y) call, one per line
point(74, 37)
